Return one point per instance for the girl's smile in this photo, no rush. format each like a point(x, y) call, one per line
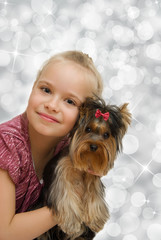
point(48, 118)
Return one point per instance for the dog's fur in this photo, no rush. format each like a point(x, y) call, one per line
point(72, 184)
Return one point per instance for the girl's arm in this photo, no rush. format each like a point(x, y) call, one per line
point(26, 226)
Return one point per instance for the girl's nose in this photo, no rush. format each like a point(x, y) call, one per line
point(53, 104)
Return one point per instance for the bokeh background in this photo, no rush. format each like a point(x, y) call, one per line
point(124, 39)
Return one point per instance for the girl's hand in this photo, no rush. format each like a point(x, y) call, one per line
point(26, 226)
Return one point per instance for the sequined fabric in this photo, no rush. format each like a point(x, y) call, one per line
point(15, 157)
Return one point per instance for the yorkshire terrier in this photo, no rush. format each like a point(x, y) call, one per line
point(72, 184)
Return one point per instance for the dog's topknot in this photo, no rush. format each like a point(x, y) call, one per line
point(119, 117)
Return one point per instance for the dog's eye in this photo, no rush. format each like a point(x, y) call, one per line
point(88, 129)
point(106, 135)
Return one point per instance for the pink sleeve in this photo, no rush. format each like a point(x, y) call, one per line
point(9, 159)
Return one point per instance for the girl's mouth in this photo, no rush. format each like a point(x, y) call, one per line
point(48, 118)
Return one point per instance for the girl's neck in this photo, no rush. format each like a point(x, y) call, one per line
point(42, 149)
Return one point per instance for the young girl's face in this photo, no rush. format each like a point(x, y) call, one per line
point(54, 102)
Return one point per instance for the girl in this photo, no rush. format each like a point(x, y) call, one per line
point(28, 141)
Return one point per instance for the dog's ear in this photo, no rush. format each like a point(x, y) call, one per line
point(126, 118)
point(120, 119)
point(87, 109)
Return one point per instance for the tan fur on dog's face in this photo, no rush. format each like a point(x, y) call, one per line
point(92, 150)
point(96, 142)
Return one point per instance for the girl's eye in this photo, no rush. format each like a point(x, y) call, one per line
point(46, 89)
point(71, 102)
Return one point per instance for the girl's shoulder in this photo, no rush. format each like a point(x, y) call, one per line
point(14, 146)
point(18, 127)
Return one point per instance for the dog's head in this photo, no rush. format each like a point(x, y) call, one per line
point(98, 136)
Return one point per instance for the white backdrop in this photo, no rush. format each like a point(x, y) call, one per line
point(124, 39)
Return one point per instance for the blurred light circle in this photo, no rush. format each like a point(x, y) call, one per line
point(63, 20)
point(38, 44)
point(107, 93)
point(87, 46)
point(130, 75)
point(14, 22)
point(132, 52)
point(76, 26)
point(128, 95)
point(157, 180)
point(90, 34)
point(129, 237)
point(100, 69)
point(9, 102)
point(21, 40)
point(139, 127)
point(155, 200)
point(25, 14)
point(123, 176)
point(6, 83)
point(154, 231)
point(124, 36)
point(116, 196)
point(55, 44)
point(39, 59)
point(158, 128)
point(16, 65)
point(130, 144)
point(7, 35)
point(113, 229)
point(152, 12)
point(3, 22)
point(158, 69)
point(138, 199)
point(91, 19)
point(156, 154)
point(118, 58)
point(145, 31)
point(109, 12)
point(144, 225)
point(41, 8)
point(127, 74)
point(4, 59)
point(148, 213)
point(27, 75)
point(37, 19)
point(156, 80)
point(129, 222)
point(133, 12)
point(135, 210)
point(6, 100)
point(158, 145)
point(115, 83)
point(153, 51)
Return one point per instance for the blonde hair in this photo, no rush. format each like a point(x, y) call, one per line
point(81, 59)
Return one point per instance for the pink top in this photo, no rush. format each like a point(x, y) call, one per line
point(15, 157)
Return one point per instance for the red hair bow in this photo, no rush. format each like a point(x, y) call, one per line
point(104, 115)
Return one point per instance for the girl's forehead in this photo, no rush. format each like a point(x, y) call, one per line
point(68, 77)
point(67, 69)
point(64, 64)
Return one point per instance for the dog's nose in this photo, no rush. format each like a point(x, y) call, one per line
point(93, 147)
